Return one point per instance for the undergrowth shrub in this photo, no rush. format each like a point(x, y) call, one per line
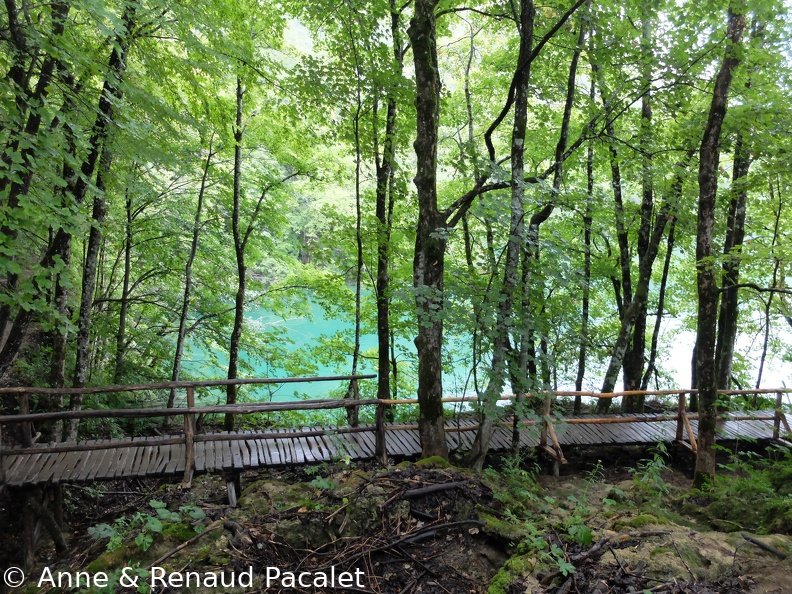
point(752, 493)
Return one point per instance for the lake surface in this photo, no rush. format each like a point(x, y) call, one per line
point(312, 332)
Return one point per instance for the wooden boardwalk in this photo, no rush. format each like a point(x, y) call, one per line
point(223, 452)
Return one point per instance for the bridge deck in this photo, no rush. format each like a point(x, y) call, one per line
point(134, 457)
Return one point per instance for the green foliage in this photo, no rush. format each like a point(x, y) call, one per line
point(751, 492)
point(323, 484)
point(517, 486)
point(142, 528)
point(648, 484)
point(317, 89)
point(549, 556)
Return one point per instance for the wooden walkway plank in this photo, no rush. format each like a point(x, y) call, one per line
point(318, 452)
point(219, 459)
point(250, 444)
point(366, 447)
point(210, 463)
point(96, 464)
point(237, 459)
point(31, 468)
point(179, 454)
point(298, 455)
point(302, 443)
point(274, 453)
point(263, 451)
point(163, 458)
point(49, 473)
point(284, 451)
point(142, 457)
point(399, 443)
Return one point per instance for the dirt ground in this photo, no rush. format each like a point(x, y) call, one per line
point(419, 528)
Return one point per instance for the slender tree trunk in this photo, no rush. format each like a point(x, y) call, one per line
point(239, 250)
point(587, 222)
point(469, 158)
point(634, 305)
point(650, 366)
point(122, 314)
point(504, 323)
point(57, 373)
point(624, 285)
point(90, 269)
point(111, 95)
point(706, 327)
point(430, 238)
point(384, 207)
point(352, 391)
point(634, 358)
point(384, 176)
point(732, 251)
point(185, 308)
point(774, 284)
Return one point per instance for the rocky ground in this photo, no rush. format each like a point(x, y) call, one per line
point(418, 528)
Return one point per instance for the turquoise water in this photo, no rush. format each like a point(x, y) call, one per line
point(299, 342)
point(325, 343)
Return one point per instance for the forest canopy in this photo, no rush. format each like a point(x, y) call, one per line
point(532, 196)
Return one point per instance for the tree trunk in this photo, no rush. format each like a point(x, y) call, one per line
point(504, 323)
point(624, 284)
point(650, 366)
point(709, 156)
point(353, 412)
point(118, 372)
point(732, 251)
point(634, 358)
point(774, 284)
point(90, 270)
point(111, 95)
point(185, 308)
point(384, 208)
point(587, 221)
point(239, 251)
point(430, 238)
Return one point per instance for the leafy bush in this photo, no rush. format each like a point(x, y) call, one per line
point(751, 493)
point(145, 526)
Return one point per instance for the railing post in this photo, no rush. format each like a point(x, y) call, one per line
point(680, 417)
point(26, 427)
point(381, 445)
point(545, 414)
point(189, 440)
point(519, 398)
point(777, 420)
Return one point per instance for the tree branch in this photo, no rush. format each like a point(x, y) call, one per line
point(757, 288)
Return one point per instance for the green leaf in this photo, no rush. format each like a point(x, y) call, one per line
point(153, 524)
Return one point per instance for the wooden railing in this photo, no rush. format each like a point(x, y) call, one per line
point(548, 440)
point(188, 412)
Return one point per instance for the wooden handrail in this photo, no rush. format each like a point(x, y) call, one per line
point(139, 413)
point(180, 384)
point(190, 411)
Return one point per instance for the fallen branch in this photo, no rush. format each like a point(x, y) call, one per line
point(601, 547)
point(434, 489)
point(673, 542)
point(780, 554)
point(186, 544)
